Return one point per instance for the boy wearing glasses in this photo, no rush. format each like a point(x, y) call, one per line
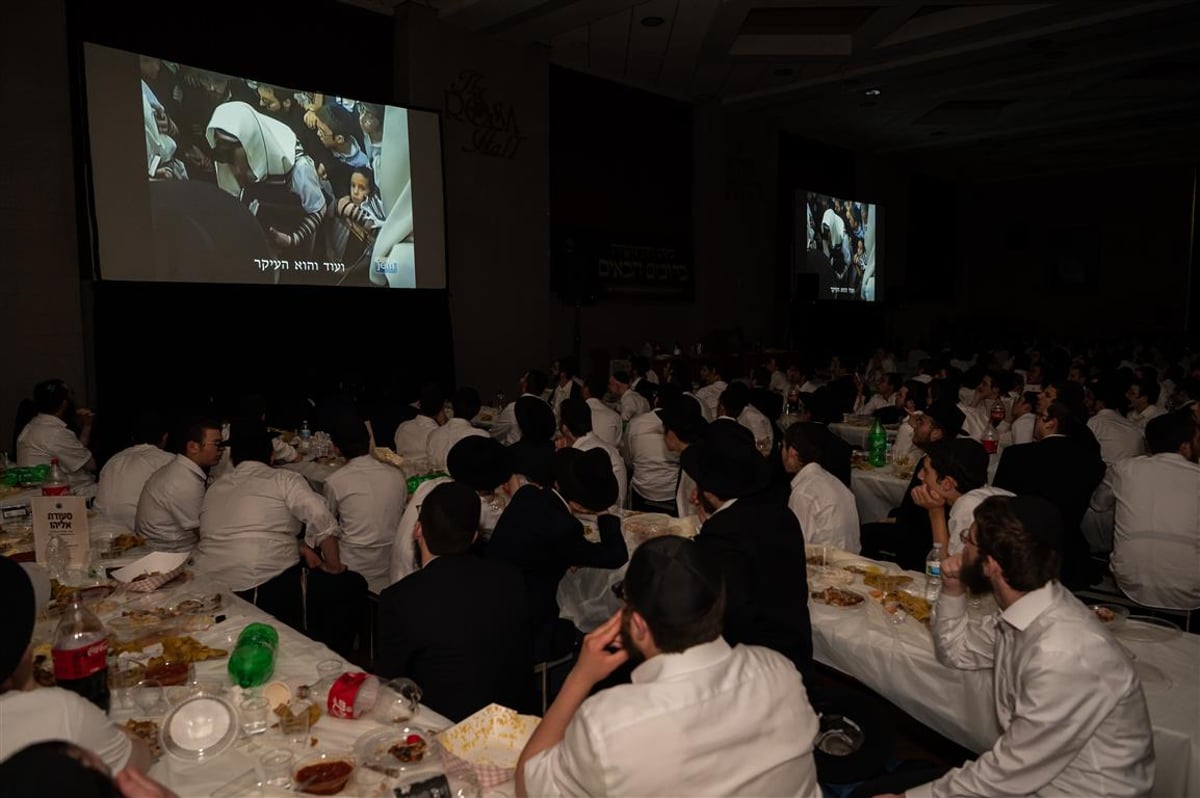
point(168, 511)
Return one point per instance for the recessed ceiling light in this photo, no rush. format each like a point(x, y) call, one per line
point(652, 22)
point(872, 92)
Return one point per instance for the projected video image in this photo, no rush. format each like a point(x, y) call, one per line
point(839, 245)
point(267, 183)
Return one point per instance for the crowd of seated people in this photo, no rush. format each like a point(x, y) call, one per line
point(1081, 439)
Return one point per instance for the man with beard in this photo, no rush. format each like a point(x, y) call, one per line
point(1067, 696)
point(700, 717)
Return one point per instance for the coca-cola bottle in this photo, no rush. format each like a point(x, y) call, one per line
point(56, 483)
point(80, 654)
point(990, 441)
point(997, 413)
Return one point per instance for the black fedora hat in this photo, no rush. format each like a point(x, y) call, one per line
point(479, 462)
point(725, 462)
point(586, 478)
point(535, 418)
point(947, 416)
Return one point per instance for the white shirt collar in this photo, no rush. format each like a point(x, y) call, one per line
point(1026, 609)
point(800, 477)
point(51, 420)
point(193, 466)
point(669, 666)
point(728, 503)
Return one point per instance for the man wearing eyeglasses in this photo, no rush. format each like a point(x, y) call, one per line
point(1067, 697)
point(168, 510)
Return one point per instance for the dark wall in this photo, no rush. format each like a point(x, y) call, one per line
point(1089, 255)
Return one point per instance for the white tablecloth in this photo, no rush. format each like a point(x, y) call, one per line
point(898, 662)
point(585, 596)
point(856, 434)
point(316, 473)
point(876, 492)
point(296, 664)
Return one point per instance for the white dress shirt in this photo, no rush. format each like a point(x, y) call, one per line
point(52, 713)
point(168, 511)
point(592, 441)
point(281, 452)
point(825, 509)
point(367, 498)
point(404, 552)
point(759, 425)
point(962, 514)
point(632, 404)
point(1156, 533)
point(606, 422)
point(46, 437)
point(1067, 698)
point(1022, 429)
point(1143, 418)
point(779, 383)
point(683, 495)
point(122, 479)
point(412, 437)
point(1119, 437)
point(442, 439)
point(505, 427)
point(709, 397)
point(974, 424)
point(710, 720)
point(904, 446)
point(250, 522)
point(877, 402)
point(655, 467)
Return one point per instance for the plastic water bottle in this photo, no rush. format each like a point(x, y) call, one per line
point(253, 659)
point(933, 573)
point(877, 445)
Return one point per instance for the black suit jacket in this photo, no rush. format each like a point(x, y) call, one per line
point(459, 628)
point(1065, 472)
point(538, 535)
point(761, 550)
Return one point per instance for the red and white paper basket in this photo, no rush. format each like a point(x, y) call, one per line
point(487, 744)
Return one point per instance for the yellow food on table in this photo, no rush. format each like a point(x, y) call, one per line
point(886, 582)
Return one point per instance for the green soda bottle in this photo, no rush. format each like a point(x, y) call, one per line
point(253, 660)
point(877, 445)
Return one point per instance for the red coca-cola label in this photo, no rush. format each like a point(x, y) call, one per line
point(343, 693)
point(56, 490)
point(990, 445)
point(80, 663)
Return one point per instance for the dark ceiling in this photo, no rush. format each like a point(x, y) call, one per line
point(980, 89)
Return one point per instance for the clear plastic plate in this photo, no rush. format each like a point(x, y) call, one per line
point(199, 728)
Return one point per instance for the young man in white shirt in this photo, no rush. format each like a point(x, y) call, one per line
point(630, 402)
point(953, 475)
point(655, 467)
point(125, 473)
point(576, 432)
point(1156, 537)
point(32, 714)
point(1069, 702)
point(412, 437)
point(885, 391)
point(168, 509)
point(700, 717)
point(824, 506)
point(683, 424)
point(505, 428)
point(47, 436)
point(250, 526)
point(709, 395)
point(466, 406)
point(735, 403)
point(366, 496)
point(1143, 401)
point(606, 422)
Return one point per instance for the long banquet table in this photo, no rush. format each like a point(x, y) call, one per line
point(295, 665)
point(897, 660)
